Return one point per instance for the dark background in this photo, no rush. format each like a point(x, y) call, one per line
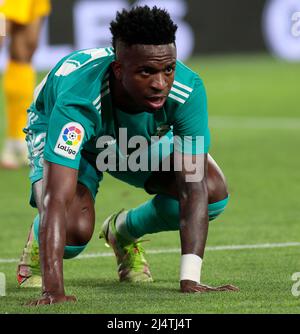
point(220, 26)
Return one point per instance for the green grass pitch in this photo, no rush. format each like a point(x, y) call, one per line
point(254, 120)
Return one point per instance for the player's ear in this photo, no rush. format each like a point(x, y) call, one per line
point(117, 69)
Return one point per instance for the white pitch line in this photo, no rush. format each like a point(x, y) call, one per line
point(8, 260)
point(177, 250)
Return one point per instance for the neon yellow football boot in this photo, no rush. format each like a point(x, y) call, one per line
point(29, 272)
point(132, 265)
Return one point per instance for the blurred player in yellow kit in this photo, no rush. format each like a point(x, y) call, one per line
point(23, 24)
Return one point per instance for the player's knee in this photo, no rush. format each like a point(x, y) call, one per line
point(23, 53)
point(30, 48)
point(19, 54)
point(80, 217)
point(81, 236)
point(80, 227)
point(70, 251)
point(79, 233)
point(216, 184)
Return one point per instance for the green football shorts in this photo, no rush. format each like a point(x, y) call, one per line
point(88, 175)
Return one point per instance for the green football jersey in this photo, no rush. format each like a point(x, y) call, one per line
point(73, 109)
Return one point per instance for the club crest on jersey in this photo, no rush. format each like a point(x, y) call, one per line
point(69, 140)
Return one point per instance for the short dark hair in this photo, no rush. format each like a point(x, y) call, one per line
point(143, 25)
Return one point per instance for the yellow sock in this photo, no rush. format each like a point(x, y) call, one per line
point(19, 82)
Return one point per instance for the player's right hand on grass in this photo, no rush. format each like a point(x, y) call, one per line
point(49, 299)
point(194, 287)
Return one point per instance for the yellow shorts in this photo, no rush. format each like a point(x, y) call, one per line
point(24, 11)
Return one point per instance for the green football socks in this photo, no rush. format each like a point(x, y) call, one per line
point(162, 214)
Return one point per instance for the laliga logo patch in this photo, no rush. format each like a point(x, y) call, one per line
point(69, 140)
point(72, 136)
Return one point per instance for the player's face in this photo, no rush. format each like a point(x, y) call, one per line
point(146, 73)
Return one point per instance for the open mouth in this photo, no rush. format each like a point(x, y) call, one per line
point(156, 102)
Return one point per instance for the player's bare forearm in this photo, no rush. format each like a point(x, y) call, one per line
point(193, 227)
point(193, 232)
point(193, 201)
point(194, 218)
point(59, 189)
point(52, 242)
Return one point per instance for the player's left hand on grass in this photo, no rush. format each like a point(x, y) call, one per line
point(193, 287)
point(48, 299)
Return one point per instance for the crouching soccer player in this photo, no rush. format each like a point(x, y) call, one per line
point(23, 20)
point(94, 94)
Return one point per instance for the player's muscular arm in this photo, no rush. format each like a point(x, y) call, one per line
point(59, 189)
point(193, 200)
